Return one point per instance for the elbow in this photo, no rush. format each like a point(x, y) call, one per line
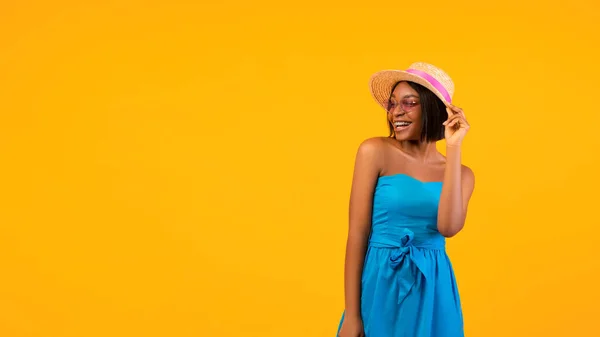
point(449, 233)
point(451, 224)
point(450, 230)
point(359, 233)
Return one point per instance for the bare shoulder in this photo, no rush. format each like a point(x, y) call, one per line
point(372, 147)
point(468, 176)
point(370, 152)
point(467, 171)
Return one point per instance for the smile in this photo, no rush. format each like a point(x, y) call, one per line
point(401, 125)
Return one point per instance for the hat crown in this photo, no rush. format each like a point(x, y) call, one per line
point(441, 76)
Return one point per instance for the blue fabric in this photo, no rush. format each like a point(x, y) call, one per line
point(408, 283)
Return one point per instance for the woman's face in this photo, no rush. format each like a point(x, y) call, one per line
point(404, 112)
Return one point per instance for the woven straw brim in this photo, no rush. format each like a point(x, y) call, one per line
point(381, 84)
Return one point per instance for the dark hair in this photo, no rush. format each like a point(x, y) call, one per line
point(433, 113)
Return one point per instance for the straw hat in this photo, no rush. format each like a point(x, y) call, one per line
point(429, 76)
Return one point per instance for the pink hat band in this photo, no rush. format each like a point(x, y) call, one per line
point(432, 81)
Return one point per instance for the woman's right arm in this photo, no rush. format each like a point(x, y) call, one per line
point(367, 167)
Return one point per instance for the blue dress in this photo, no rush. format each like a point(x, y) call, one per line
point(408, 283)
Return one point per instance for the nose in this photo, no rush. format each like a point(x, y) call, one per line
point(398, 111)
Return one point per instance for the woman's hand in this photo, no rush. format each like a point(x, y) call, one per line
point(352, 327)
point(456, 126)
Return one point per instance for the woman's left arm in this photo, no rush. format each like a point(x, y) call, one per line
point(459, 180)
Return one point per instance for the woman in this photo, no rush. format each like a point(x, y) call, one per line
point(406, 199)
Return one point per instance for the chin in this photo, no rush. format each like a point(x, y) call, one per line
point(405, 137)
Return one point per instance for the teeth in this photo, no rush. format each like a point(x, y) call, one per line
point(402, 123)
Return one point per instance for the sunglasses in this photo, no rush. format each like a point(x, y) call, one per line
point(407, 105)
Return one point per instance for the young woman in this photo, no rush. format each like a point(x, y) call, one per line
point(406, 199)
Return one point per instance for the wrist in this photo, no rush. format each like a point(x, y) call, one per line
point(453, 145)
point(352, 315)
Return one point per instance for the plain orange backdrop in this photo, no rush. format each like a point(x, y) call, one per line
point(183, 169)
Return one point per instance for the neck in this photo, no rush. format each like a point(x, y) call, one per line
point(421, 151)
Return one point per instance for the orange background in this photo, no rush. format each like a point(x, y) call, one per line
point(182, 169)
